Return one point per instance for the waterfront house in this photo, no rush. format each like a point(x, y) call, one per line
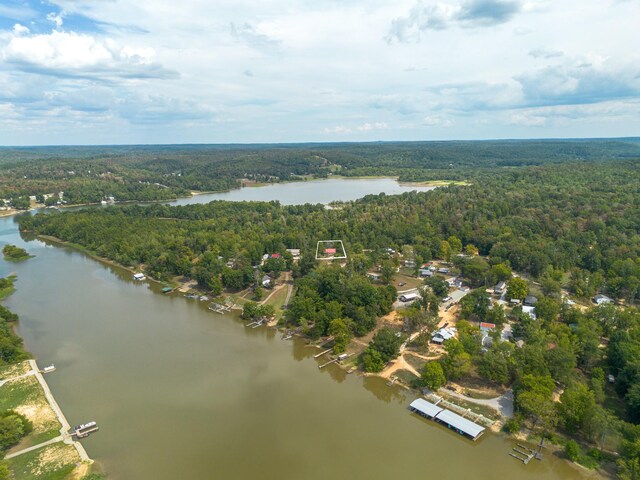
point(602, 299)
point(445, 333)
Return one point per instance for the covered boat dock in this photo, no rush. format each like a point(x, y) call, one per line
point(424, 408)
point(446, 417)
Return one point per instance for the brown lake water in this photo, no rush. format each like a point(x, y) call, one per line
point(180, 392)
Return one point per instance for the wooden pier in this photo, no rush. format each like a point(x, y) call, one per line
point(219, 308)
point(341, 357)
point(322, 353)
point(526, 454)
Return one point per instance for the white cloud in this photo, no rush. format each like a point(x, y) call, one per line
point(339, 129)
point(56, 18)
point(72, 54)
point(20, 29)
point(527, 120)
point(435, 121)
point(368, 127)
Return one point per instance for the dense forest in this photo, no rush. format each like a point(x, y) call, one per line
point(579, 220)
point(144, 173)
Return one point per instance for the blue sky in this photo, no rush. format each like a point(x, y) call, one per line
point(223, 71)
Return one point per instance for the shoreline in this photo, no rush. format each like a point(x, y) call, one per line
point(67, 438)
point(195, 193)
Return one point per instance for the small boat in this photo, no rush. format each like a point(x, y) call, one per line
point(49, 369)
point(85, 429)
point(166, 290)
point(204, 298)
point(191, 295)
point(139, 276)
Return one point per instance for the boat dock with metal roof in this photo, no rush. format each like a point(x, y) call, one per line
point(446, 417)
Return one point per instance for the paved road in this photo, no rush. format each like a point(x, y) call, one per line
point(28, 374)
point(35, 447)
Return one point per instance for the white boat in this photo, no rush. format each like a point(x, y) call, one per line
point(139, 276)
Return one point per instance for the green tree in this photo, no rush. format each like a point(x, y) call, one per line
point(632, 398)
point(577, 406)
point(501, 272)
point(455, 244)
point(341, 335)
point(517, 288)
point(387, 271)
point(471, 250)
point(457, 362)
point(572, 450)
point(433, 375)
point(387, 343)
point(439, 286)
point(372, 360)
point(445, 251)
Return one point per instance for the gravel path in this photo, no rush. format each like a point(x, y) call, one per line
point(503, 404)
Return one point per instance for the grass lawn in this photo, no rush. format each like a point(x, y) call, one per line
point(415, 362)
point(14, 370)
point(277, 300)
point(409, 281)
point(26, 396)
point(405, 376)
point(53, 462)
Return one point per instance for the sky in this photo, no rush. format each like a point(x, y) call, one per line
point(268, 71)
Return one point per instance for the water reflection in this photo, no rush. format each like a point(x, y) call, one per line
point(378, 386)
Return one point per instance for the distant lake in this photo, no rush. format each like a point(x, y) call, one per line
point(311, 191)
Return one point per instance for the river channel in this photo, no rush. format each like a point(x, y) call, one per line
point(180, 392)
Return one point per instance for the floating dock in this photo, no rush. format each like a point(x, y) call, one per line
point(219, 308)
point(339, 358)
point(446, 417)
point(85, 429)
point(526, 454)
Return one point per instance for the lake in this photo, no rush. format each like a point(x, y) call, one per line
point(180, 392)
point(310, 191)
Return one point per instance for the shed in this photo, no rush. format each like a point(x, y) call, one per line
point(408, 297)
point(602, 299)
point(424, 408)
point(460, 424)
point(530, 300)
point(499, 288)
